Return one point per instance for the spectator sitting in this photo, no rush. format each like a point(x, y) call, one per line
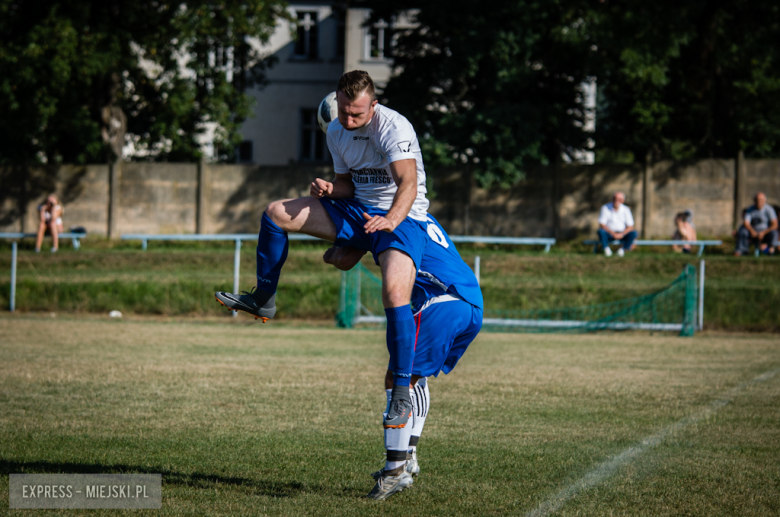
point(50, 219)
point(616, 223)
point(759, 227)
point(685, 231)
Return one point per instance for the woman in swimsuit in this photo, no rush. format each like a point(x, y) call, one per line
point(51, 218)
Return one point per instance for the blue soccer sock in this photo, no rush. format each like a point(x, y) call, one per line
point(272, 246)
point(401, 333)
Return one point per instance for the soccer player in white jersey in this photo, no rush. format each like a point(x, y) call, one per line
point(447, 305)
point(375, 203)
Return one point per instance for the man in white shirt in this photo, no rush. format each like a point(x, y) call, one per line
point(616, 223)
point(376, 203)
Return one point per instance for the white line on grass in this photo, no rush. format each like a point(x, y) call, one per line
point(606, 469)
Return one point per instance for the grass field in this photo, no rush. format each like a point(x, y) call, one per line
point(742, 293)
point(248, 419)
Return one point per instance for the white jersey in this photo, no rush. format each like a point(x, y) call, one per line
point(367, 153)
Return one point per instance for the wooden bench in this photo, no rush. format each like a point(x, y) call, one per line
point(670, 242)
point(74, 237)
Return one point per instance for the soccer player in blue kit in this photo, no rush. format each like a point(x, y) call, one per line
point(447, 305)
point(375, 203)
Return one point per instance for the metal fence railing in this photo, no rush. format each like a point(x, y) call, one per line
point(238, 238)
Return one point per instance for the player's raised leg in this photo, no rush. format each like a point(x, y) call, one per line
point(301, 215)
point(398, 274)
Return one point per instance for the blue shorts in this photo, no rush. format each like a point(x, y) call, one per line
point(444, 332)
point(410, 236)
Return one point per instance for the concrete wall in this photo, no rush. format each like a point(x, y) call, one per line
point(157, 198)
point(238, 195)
point(83, 190)
point(561, 201)
point(764, 176)
point(706, 187)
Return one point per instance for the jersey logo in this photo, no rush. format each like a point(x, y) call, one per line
point(405, 147)
point(367, 176)
point(359, 138)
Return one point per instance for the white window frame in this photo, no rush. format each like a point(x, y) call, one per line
point(381, 26)
point(311, 19)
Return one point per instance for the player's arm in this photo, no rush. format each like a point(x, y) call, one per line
point(772, 226)
point(606, 229)
point(405, 176)
point(341, 187)
point(750, 229)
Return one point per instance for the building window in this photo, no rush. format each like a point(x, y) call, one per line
point(379, 41)
point(307, 42)
point(312, 138)
point(341, 30)
point(244, 151)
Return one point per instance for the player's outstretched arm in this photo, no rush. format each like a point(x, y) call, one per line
point(405, 175)
point(341, 187)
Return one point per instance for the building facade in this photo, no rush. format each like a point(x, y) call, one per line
point(323, 40)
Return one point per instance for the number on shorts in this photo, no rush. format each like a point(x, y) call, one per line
point(436, 236)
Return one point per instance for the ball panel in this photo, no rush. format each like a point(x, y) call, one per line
point(327, 111)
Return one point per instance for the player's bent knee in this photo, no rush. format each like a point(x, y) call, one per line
point(278, 212)
point(274, 210)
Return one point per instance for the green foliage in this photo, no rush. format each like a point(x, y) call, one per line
point(170, 69)
point(496, 87)
point(688, 79)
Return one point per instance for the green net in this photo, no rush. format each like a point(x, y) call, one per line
point(673, 308)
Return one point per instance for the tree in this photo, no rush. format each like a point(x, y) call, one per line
point(75, 75)
point(496, 85)
point(688, 79)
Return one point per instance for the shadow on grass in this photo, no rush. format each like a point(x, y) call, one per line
point(193, 479)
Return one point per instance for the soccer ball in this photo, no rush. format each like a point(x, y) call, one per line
point(327, 111)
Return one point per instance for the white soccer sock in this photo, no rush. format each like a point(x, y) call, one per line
point(421, 400)
point(396, 441)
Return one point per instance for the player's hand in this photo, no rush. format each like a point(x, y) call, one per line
point(378, 223)
point(320, 188)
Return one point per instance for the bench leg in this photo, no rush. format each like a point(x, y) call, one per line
point(546, 248)
point(76, 244)
point(701, 251)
